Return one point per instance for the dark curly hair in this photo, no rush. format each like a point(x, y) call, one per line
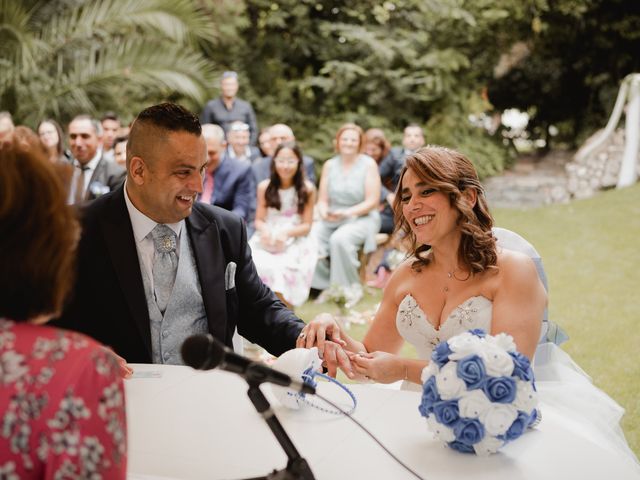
point(451, 173)
point(271, 194)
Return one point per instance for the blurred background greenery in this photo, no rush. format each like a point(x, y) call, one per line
point(450, 65)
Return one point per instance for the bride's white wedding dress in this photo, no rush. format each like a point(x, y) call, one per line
point(562, 385)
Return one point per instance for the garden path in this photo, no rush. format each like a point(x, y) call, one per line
point(532, 182)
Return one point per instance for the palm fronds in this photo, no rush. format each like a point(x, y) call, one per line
point(80, 54)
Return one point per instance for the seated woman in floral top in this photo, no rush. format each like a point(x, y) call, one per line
point(61, 397)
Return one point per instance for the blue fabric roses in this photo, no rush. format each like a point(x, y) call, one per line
point(478, 392)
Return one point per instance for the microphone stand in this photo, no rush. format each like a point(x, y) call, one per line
point(297, 467)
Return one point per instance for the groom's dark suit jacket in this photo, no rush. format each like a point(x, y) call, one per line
point(109, 304)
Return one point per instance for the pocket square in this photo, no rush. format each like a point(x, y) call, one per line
point(230, 276)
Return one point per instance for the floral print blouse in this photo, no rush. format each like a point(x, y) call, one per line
point(61, 406)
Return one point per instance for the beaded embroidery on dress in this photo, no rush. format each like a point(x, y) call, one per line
point(415, 328)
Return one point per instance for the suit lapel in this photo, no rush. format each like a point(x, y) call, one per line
point(211, 264)
point(96, 176)
point(118, 234)
point(97, 172)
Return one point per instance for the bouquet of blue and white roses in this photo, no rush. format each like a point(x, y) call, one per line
point(478, 392)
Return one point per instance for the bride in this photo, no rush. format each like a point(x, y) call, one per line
point(456, 279)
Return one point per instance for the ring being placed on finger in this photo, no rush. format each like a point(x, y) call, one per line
point(302, 335)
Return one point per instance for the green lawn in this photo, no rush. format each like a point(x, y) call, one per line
point(592, 258)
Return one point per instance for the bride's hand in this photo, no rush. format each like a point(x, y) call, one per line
point(323, 327)
point(379, 367)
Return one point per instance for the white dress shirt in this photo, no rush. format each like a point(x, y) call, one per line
point(142, 226)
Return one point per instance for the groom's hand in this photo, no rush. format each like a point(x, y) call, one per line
point(334, 357)
point(322, 328)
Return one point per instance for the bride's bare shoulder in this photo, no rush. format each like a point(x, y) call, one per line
point(402, 278)
point(405, 268)
point(515, 265)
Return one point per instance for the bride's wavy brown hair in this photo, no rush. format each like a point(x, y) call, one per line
point(451, 173)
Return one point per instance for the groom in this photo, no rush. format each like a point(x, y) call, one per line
point(155, 267)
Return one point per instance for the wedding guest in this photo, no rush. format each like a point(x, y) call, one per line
point(283, 251)
point(228, 182)
point(110, 131)
point(156, 266)
point(391, 166)
point(238, 143)
point(455, 279)
point(348, 198)
point(94, 174)
point(62, 406)
point(51, 136)
point(228, 108)
point(378, 147)
point(376, 144)
point(120, 150)
point(280, 133)
point(266, 143)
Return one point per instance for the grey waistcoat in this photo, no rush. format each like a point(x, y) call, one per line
point(185, 314)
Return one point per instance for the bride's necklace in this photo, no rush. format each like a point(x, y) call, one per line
point(452, 274)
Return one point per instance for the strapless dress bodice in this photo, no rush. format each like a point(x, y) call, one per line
point(415, 328)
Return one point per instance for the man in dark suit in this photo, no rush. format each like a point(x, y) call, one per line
point(228, 182)
point(94, 175)
point(391, 166)
point(121, 299)
point(238, 143)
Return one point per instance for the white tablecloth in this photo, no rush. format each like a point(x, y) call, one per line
point(184, 424)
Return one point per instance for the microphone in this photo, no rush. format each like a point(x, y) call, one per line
point(204, 352)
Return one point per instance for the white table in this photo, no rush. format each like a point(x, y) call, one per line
point(184, 424)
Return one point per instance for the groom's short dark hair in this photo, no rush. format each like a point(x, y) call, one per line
point(170, 116)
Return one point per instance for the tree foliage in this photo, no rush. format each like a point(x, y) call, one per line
point(317, 63)
point(59, 58)
point(577, 55)
point(314, 64)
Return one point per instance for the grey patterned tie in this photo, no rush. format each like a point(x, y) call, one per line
point(165, 264)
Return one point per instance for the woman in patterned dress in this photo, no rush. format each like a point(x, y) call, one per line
point(62, 401)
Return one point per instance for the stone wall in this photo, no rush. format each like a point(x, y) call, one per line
point(599, 169)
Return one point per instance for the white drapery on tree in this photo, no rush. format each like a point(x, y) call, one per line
point(629, 95)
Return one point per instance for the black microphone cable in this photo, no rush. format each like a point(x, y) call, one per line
point(373, 437)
